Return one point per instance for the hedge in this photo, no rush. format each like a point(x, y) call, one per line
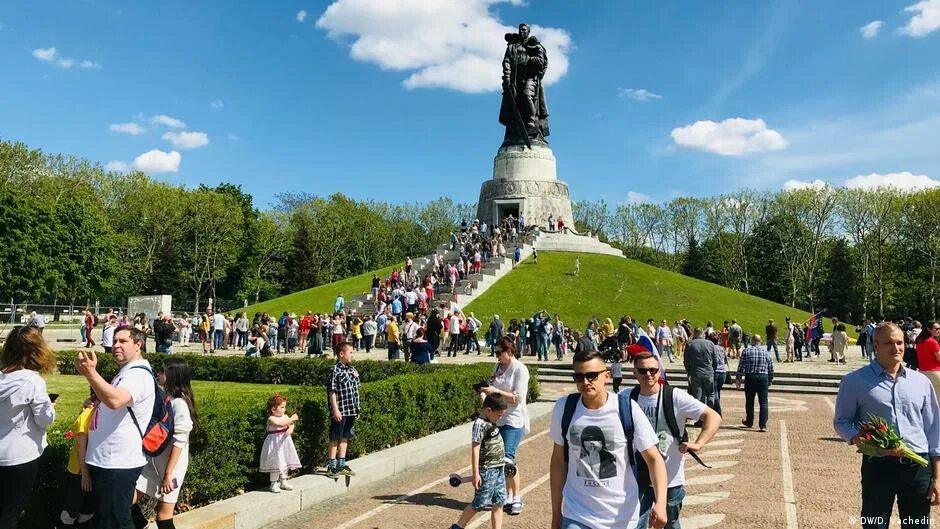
point(224, 458)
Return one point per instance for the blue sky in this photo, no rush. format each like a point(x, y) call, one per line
point(398, 99)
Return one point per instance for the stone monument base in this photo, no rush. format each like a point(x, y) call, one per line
point(524, 183)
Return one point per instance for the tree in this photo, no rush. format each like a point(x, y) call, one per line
point(838, 291)
point(812, 209)
point(592, 216)
point(211, 235)
point(265, 257)
point(920, 229)
point(694, 265)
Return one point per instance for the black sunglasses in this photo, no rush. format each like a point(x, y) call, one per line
point(646, 370)
point(590, 376)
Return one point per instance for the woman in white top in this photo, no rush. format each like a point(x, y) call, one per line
point(162, 476)
point(510, 382)
point(25, 413)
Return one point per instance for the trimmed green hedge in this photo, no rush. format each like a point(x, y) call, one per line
point(224, 458)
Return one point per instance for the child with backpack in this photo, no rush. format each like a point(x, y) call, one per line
point(162, 476)
point(488, 466)
point(78, 504)
point(278, 454)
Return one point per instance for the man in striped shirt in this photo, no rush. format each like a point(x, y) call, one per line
point(758, 371)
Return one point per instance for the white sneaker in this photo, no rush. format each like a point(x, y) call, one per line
point(274, 487)
point(285, 485)
point(516, 507)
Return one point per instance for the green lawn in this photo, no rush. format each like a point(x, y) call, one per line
point(320, 298)
point(73, 390)
point(610, 287)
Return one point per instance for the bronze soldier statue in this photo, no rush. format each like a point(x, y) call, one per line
point(524, 111)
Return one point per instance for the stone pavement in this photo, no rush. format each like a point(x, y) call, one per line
point(796, 475)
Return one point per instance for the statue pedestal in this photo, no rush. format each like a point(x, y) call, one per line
point(524, 182)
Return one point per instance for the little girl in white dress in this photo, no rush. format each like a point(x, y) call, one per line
point(278, 454)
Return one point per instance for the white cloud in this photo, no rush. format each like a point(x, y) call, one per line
point(163, 119)
point(905, 181)
point(45, 54)
point(637, 94)
point(731, 137)
point(116, 166)
point(157, 161)
point(634, 197)
point(793, 185)
point(232, 137)
point(217, 104)
point(187, 140)
point(870, 30)
point(301, 15)
point(52, 55)
point(127, 128)
point(455, 44)
point(926, 21)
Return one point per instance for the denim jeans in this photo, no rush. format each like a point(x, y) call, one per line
point(882, 480)
point(703, 389)
point(674, 498)
point(512, 436)
point(114, 493)
point(568, 523)
point(755, 385)
point(558, 353)
point(772, 344)
point(543, 346)
point(719, 382)
point(667, 351)
point(217, 336)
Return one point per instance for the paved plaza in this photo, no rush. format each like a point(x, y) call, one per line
point(796, 475)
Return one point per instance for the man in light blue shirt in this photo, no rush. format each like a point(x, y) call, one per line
point(907, 401)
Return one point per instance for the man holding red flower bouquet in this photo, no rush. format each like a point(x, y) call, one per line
point(890, 413)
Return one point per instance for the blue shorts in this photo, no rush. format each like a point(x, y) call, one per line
point(492, 489)
point(342, 429)
point(512, 436)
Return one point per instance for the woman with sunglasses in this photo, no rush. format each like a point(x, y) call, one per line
point(25, 412)
point(928, 353)
point(510, 381)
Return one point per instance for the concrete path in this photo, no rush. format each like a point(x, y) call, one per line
point(796, 475)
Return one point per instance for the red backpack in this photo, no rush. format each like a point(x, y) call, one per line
point(159, 432)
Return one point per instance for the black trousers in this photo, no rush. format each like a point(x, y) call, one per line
point(16, 485)
point(755, 385)
point(883, 479)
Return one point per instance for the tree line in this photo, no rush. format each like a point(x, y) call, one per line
point(854, 253)
point(75, 233)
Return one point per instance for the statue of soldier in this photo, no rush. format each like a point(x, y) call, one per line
point(524, 111)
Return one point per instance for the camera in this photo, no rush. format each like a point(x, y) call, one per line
point(513, 38)
point(478, 387)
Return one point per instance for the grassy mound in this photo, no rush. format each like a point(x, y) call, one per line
point(610, 287)
point(319, 298)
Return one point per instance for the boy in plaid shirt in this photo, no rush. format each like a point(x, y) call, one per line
point(342, 387)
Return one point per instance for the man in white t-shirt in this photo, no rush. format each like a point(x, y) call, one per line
point(649, 395)
point(596, 488)
point(114, 454)
point(218, 331)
